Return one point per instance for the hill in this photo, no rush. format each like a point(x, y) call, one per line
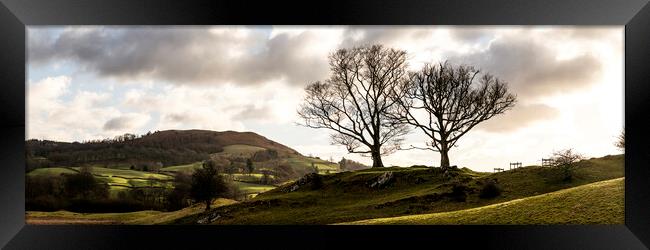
point(596, 203)
point(166, 148)
point(395, 191)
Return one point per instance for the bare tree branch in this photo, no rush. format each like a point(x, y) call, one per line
point(445, 102)
point(355, 100)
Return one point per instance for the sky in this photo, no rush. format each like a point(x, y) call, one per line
point(94, 82)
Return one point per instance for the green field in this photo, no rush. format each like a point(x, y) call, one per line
point(347, 197)
point(252, 188)
point(596, 203)
point(122, 180)
point(50, 172)
point(137, 218)
point(187, 168)
point(117, 179)
point(302, 162)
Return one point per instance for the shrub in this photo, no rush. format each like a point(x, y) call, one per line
point(316, 181)
point(459, 192)
point(490, 190)
point(565, 162)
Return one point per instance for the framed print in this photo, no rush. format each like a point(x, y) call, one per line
point(184, 124)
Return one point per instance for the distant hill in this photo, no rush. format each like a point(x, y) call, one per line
point(166, 148)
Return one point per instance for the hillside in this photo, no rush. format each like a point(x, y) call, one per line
point(151, 161)
point(596, 203)
point(351, 196)
point(170, 147)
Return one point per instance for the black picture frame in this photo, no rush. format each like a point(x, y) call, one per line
point(15, 15)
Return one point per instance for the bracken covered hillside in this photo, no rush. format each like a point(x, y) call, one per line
point(170, 147)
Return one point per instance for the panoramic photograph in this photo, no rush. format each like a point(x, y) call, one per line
point(324, 125)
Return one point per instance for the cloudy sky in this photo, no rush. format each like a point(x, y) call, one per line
point(91, 82)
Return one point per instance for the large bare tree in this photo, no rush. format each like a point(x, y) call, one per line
point(445, 102)
point(355, 99)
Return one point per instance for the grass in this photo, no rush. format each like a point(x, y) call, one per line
point(240, 150)
point(148, 217)
point(416, 190)
point(50, 172)
point(117, 179)
point(250, 178)
point(596, 203)
point(122, 180)
point(127, 173)
point(188, 168)
point(252, 188)
point(305, 163)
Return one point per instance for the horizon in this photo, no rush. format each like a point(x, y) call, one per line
point(96, 82)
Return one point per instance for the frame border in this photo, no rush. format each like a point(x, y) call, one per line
point(15, 15)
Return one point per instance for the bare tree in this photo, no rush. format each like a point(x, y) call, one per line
point(565, 160)
point(620, 142)
point(354, 101)
point(445, 102)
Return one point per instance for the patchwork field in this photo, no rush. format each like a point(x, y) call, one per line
point(121, 180)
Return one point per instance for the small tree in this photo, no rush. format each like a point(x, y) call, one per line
point(314, 168)
point(620, 143)
point(207, 184)
point(565, 161)
point(265, 177)
point(178, 197)
point(249, 166)
point(231, 169)
point(84, 185)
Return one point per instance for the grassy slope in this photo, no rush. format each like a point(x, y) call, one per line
point(240, 150)
point(346, 197)
point(595, 203)
point(138, 218)
point(187, 168)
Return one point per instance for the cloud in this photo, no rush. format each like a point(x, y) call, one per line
point(251, 112)
point(520, 116)
point(185, 56)
point(56, 112)
point(126, 122)
point(532, 68)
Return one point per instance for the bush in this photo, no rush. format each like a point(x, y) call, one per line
point(316, 182)
point(490, 190)
point(459, 192)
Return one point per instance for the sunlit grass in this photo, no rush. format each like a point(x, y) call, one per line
point(50, 172)
point(147, 217)
point(596, 203)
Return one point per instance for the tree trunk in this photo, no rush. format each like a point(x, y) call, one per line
point(376, 159)
point(207, 205)
point(444, 156)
